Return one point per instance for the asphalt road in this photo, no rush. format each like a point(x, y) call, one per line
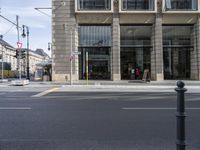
point(95, 121)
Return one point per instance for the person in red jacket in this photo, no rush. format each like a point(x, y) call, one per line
point(137, 73)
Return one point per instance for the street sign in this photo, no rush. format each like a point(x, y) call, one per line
point(76, 53)
point(19, 44)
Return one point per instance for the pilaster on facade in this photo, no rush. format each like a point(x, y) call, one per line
point(153, 55)
point(197, 52)
point(62, 42)
point(158, 48)
point(116, 73)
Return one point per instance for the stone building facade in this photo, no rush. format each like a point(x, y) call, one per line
point(8, 53)
point(121, 36)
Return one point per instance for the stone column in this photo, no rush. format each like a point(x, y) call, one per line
point(116, 73)
point(195, 54)
point(61, 41)
point(153, 55)
point(157, 52)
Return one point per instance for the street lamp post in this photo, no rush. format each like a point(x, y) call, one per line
point(27, 58)
point(70, 28)
point(2, 66)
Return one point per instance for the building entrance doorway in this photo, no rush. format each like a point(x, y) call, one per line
point(133, 62)
point(98, 63)
point(176, 63)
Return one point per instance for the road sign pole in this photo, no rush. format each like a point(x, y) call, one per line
point(2, 66)
point(71, 58)
point(87, 67)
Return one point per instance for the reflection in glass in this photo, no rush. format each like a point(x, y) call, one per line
point(135, 35)
point(132, 59)
point(177, 45)
point(98, 63)
point(94, 36)
point(181, 5)
point(138, 5)
point(135, 51)
point(176, 63)
point(96, 40)
point(94, 4)
point(177, 35)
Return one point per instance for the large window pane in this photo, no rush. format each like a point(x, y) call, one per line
point(133, 36)
point(138, 5)
point(94, 36)
point(98, 63)
point(135, 51)
point(177, 45)
point(132, 59)
point(181, 4)
point(177, 35)
point(94, 4)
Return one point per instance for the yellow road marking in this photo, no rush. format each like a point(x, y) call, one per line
point(46, 92)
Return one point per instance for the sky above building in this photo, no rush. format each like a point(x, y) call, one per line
point(38, 23)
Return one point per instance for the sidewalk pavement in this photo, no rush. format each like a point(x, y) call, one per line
point(123, 83)
point(122, 86)
point(110, 86)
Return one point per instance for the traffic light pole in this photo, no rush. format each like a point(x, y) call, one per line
point(28, 75)
point(27, 58)
point(18, 60)
point(2, 66)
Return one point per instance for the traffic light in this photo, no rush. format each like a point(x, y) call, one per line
point(17, 53)
point(20, 53)
point(23, 55)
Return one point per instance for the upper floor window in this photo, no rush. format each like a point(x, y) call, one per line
point(176, 5)
point(138, 5)
point(94, 4)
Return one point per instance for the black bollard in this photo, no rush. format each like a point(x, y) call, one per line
point(180, 143)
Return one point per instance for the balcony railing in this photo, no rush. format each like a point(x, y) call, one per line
point(93, 5)
point(181, 5)
point(138, 5)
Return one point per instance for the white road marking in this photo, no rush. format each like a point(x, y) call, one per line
point(193, 99)
point(164, 108)
point(15, 108)
point(2, 93)
point(45, 92)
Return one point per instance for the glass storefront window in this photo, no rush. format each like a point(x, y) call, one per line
point(96, 41)
point(94, 36)
point(98, 63)
point(176, 63)
point(177, 35)
point(132, 36)
point(135, 51)
point(132, 59)
point(177, 45)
